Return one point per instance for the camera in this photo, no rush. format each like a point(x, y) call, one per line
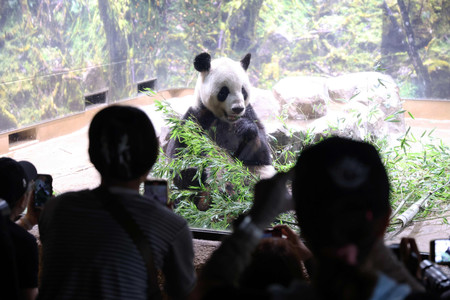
point(158, 190)
point(440, 251)
point(433, 278)
point(43, 189)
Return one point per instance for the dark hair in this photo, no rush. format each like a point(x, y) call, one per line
point(340, 189)
point(122, 143)
point(14, 179)
point(275, 260)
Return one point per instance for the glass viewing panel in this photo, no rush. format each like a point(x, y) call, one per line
point(60, 57)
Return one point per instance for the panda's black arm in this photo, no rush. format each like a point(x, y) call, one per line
point(248, 125)
point(253, 149)
point(203, 116)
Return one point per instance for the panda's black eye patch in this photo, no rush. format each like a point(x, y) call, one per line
point(223, 94)
point(244, 93)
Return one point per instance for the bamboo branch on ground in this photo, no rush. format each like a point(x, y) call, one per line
point(407, 216)
point(399, 207)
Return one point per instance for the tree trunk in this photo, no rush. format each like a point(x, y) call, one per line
point(242, 25)
point(421, 70)
point(393, 38)
point(118, 52)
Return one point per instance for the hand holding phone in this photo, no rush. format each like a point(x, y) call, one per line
point(272, 197)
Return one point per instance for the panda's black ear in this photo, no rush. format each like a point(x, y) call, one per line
point(245, 62)
point(202, 62)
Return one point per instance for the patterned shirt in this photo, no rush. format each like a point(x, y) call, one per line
point(88, 255)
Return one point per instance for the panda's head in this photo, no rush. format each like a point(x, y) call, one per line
point(223, 86)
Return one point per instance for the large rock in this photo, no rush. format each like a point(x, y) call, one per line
point(370, 97)
point(365, 87)
point(359, 106)
point(265, 105)
point(303, 98)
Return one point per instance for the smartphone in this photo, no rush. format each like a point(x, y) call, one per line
point(157, 189)
point(43, 189)
point(440, 251)
point(271, 232)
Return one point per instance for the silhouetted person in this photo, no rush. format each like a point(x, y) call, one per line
point(16, 188)
point(341, 196)
point(87, 254)
point(341, 191)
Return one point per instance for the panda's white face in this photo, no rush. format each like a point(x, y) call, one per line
point(224, 89)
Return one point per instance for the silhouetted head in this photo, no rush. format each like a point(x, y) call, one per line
point(341, 191)
point(122, 143)
point(274, 261)
point(15, 177)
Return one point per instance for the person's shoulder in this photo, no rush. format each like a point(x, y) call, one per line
point(174, 218)
point(151, 210)
point(163, 211)
point(74, 194)
point(68, 196)
point(18, 233)
point(66, 201)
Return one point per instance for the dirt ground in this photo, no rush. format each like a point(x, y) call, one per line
point(66, 159)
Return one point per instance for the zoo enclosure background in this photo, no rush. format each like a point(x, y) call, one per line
point(54, 52)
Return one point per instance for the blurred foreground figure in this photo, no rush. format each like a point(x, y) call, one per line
point(19, 252)
point(341, 198)
point(87, 252)
point(278, 259)
point(341, 192)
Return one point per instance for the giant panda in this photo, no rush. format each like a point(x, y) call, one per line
point(222, 108)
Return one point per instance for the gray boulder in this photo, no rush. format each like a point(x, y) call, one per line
point(302, 98)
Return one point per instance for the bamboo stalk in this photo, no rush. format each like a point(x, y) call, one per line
point(407, 216)
point(400, 205)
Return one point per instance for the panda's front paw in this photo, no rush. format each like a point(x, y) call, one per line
point(247, 131)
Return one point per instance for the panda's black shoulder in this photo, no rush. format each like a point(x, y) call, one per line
point(202, 115)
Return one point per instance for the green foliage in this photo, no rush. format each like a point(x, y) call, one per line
point(42, 43)
point(415, 166)
point(49, 48)
point(418, 166)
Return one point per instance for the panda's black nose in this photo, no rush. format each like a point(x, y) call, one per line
point(237, 109)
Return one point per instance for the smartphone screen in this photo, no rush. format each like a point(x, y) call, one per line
point(271, 232)
point(157, 189)
point(440, 251)
point(43, 189)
